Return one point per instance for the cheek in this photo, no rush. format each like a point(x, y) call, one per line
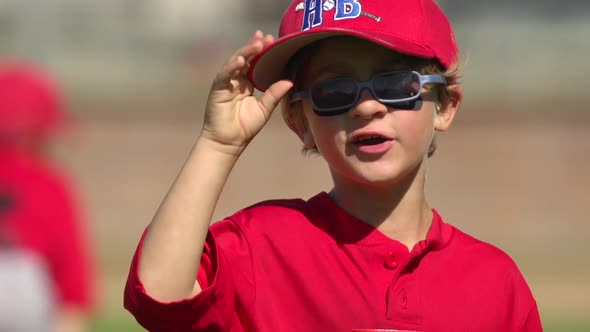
point(416, 128)
point(326, 131)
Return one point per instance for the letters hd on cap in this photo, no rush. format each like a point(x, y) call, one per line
point(343, 9)
point(414, 27)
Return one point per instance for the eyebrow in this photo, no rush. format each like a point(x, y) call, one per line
point(338, 69)
point(331, 68)
point(395, 66)
point(395, 63)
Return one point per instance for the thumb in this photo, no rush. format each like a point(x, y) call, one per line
point(273, 95)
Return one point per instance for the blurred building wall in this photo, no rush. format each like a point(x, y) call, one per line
point(112, 46)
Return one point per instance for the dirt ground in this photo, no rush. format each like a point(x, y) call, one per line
point(519, 182)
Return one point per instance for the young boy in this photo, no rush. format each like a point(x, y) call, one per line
point(366, 84)
point(47, 268)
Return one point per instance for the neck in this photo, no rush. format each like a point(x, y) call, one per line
point(399, 211)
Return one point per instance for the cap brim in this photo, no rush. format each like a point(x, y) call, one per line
point(268, 66)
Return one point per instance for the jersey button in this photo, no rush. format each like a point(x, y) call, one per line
point(403, 299)
point(391, 262)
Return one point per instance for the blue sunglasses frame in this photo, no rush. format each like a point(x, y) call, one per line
point(400, 103)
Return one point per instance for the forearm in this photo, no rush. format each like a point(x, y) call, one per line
point(172, 248)
point(174, 243)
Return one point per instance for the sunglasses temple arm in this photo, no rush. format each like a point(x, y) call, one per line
point(298, 96)
point(426, 79)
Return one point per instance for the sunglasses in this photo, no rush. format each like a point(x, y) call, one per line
point(398, 89)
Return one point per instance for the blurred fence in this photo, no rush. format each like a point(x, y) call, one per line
point(525, 50)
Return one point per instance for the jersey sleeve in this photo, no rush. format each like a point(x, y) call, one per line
point(71, 261)
point(224, 266)
point(532, 321)
point(522, 308)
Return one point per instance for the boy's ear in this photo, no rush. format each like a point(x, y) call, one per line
point(446, 112)
point(294, 116)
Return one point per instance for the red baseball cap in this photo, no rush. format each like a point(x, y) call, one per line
point(29, 101)
point(414, 27)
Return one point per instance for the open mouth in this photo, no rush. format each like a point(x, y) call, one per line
point(370, 140)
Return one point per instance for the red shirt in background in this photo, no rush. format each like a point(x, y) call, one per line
point(294, 265)
point(39, 215)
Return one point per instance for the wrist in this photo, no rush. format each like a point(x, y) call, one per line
point(221, 149)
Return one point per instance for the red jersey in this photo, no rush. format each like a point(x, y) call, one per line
point(295, 265)
point(40, 225)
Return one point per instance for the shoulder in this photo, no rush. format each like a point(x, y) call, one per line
point(471, 260)
point(30, 178)
point(276, 219)
point(53, 185)
point(467, 249)
point(268, 226)
point(271, 209)
point(32, 169)
point(468, 266)
point(269, 214)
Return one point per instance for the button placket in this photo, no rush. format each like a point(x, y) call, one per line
point(400, 297)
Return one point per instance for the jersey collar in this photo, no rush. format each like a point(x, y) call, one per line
point(347, 229)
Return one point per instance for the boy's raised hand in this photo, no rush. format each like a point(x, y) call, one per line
point(233, 116)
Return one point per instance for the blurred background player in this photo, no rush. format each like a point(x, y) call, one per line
point(46, 267)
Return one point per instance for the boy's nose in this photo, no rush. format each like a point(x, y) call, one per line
point(367, 106)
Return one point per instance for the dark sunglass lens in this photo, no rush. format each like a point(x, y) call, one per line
point(398, 85)
point(334, 93)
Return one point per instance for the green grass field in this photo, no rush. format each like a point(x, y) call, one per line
point(116, 324)
point(129, 325)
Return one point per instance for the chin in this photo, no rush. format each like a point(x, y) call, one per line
point(384, 175)
point(378, 174)
point(381, 181)
point(377, 177)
